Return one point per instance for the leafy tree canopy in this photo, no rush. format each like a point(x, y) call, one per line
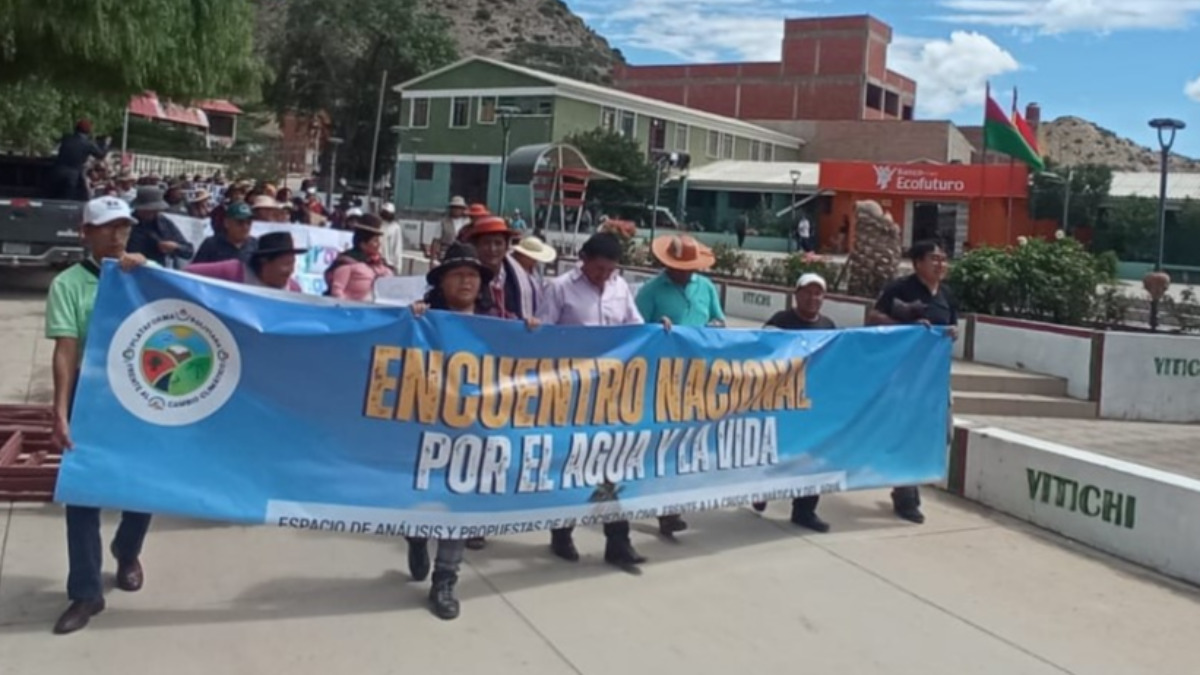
point(60, 59)
point(1090, 185)
point(616, 154)
point(330, 56)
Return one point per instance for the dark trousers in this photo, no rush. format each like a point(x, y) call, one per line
point(86, 552)
point(741, 238)
point(805, 506)
point(615, 530)
point(906, 497)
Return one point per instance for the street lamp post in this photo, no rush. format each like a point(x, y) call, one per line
point(506, 113)
point(398, 130)
point(795, 212)
point(1158, 282)
point(334, 142)
point(1066, 222)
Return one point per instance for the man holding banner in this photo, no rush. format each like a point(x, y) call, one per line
point(105, 232)
point(594, 294)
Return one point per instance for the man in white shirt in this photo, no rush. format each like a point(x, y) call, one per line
point(804, 234)
point(393, 238)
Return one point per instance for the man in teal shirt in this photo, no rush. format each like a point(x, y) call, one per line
point(680, 297)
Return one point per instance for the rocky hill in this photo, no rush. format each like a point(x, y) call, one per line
point(542, 34)
point(1072, 141)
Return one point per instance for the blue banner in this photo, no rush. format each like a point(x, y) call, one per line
point(209, 400)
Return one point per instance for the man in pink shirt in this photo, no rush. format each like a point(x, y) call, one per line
point(271, 265)
point(594, 294)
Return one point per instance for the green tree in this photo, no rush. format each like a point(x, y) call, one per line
point(1129, 228)
point(1090, 186)
point(60, 59)
point(618, 155)
point(330, 56)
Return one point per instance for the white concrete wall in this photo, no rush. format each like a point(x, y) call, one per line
point(1023, 476)
point(844, 313)
point(754, 303)
point(1038, 351)
point(1154, 378)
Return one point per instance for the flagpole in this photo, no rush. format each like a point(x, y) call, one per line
point(1012, 162)
point(983, 156)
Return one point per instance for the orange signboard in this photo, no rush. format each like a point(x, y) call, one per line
point(932, 181)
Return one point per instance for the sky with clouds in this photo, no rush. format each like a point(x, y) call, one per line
point(1116, 62)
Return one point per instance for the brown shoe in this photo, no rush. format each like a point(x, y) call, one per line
point(77, 616)
point(130, 576)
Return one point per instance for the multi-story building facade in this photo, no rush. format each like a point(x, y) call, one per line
point(832, 68)
point(452, 136)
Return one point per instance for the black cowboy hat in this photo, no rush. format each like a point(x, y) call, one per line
point(276, 243)
point(458, 255)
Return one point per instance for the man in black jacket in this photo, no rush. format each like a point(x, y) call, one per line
point(155, 236)
point(74, 150)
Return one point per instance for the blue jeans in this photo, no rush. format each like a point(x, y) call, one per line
point(86, 552)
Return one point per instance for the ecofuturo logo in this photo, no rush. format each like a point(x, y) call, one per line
point(173, 363)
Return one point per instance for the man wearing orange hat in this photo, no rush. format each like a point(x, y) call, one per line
point(680, 297)
point(476, 213)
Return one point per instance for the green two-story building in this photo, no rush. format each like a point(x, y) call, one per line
point(452, 137)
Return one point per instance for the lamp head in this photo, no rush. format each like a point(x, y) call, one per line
point(795, 176)
point(1166, 123)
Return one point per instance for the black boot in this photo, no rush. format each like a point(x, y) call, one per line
point(906, 502)
point(476, 543)
point(418, 558)
point(563, 545)
point(619, 552)
point(804, 514)
point(759, 506)
point(441, 596)
point(669, 525)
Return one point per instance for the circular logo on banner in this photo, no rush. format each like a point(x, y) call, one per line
point(173, 363)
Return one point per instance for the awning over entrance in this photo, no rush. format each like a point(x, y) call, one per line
point(525, 163)
point(743, 176)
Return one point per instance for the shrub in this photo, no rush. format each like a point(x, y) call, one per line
point(1056, 281)
point(785, 271)
point(730, 261)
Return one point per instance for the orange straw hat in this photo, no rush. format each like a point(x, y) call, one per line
point(478, 211)
point(681, 252)
point(491, 225)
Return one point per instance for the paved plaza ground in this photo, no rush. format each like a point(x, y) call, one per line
point(969, 592)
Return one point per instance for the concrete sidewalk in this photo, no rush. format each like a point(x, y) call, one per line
point(969, 592)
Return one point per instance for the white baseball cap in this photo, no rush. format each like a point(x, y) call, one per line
point(104, 210)
point(810, 278)
point(355, 212)
point(388, 207)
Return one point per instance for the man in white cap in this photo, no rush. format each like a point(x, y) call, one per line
point(393, 237)
point(452, 224)
point(107, 223)
point(805, 314)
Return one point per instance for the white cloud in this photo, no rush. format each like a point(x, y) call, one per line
point(1065, 16)
point(695, 31)
point(951, 74)
point(1192, 89)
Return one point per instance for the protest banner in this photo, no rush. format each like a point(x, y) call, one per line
point(307, 414)
point(323, 245)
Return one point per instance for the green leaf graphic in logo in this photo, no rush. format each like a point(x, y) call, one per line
point(190, 375)
point(177, 361)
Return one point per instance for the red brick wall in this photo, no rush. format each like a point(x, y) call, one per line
point(843, 56)
point(767, 101)
point(877, 59)
point(830, 100)
point(660, 92)
point(800, 57)
point(717, 99)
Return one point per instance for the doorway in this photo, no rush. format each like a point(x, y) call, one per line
point(470, 181)
point(938, 221)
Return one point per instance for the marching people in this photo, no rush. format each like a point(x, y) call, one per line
point(236, 193)
point(393, 237)
point(353, 274)
point(458, 284)
point(198, 206)
point(804, 315)
point(594, 294)
point(680, 297)
point(452, 224)
point(155, 236)
point(105, 230)
point(267, 210)
point(271, 264)
point(235, 243)
point(919, 298)
point(476, 213)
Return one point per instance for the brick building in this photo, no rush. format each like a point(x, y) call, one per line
point(832, 68)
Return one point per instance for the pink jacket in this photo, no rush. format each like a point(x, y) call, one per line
point(355, 280)
point(232, 270)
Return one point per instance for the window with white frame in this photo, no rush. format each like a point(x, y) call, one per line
point(628, 124)
point(460, 113)
point(418, 113)
point(608, 119)
point(755, 151)
point(727, 142)
point(682, 137)
point(768, 152)
point(713, 147)
point(487, 110)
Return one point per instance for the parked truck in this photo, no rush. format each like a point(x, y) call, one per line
point(36, 231)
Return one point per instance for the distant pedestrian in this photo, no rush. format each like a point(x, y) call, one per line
point(518, 222)
point(741, 227)
point(804, 234)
